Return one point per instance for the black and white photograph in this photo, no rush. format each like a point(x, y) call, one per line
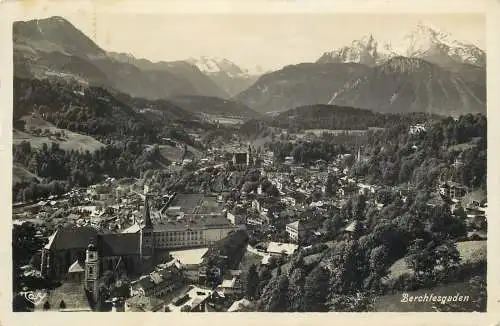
point(249, 162)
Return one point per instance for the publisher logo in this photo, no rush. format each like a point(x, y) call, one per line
point(35, 297)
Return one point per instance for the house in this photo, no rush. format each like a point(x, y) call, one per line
point(236, 219)
point(241, 159)
point(231, 286)
point(416, 129)
point(279, 248)
point(298, 230)
point(194, 299)
point(158, 282)
point(141, 303)
point(452, 190)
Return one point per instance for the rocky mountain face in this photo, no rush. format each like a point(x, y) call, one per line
point(297, 85)
point(410, 85)
point(54, 48)
point(427, 71)
point(424, 42)
point(203, 84)
point(226, 74)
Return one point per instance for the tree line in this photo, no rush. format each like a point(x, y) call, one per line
point(61, 170)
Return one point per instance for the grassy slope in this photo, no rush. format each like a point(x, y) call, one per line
point(470, 252)
point(72, 140)
point(20, 174)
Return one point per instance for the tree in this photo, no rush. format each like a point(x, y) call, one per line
point(421, 259)
point(316, 290)
point(252, 282)
point(359, 302)
point(332, 184)
point(447, 256)
point(445, 225)
point(296, 290)
point(347, 267)
point(359, 207)
point(274, 297)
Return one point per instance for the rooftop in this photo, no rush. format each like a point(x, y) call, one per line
point(195, 204)
point(76, 267)
point(119, 244)
point(71, 238)
point(279, 247)
point(195, 296)
point(192, 222)
point(189, 256)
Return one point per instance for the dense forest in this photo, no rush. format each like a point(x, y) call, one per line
point(61, 170)
point(448, 149)
point(353, 271)
point(322, 116)
point(97, 112)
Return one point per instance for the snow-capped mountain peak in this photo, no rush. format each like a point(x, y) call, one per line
point(423, 41)
point(365, 50)
point(215, 65)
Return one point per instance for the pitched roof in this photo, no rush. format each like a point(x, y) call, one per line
point(71, 238)
point(119, 244)
point(240, 304)
point(76, 267)
point(134, 228)
point(278, 247)
point(352, 226)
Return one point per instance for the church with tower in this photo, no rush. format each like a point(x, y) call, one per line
point(243, 159)
point(87, 251)
point(84, 254)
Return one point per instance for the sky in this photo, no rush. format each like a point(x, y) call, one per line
point(270, 40)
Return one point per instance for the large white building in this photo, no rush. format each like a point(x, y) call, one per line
point(191, 232)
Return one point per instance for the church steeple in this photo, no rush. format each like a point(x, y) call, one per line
point(146, 245)
point(147, 214)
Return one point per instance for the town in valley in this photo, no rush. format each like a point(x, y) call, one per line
point(170, 187)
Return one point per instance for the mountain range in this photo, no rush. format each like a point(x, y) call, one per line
point(424, 42)
point(426, 71)
point(228, 76)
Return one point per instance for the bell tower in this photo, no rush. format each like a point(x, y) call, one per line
point(92, 267)
point(146, 245)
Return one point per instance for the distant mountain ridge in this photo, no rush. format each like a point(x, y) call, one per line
point(226, 74)
point(214, 106)
point(54, 48)
point(204, 85)
point(427, 71)
point(410, 85)
point(297, 85)
point(424, 42)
